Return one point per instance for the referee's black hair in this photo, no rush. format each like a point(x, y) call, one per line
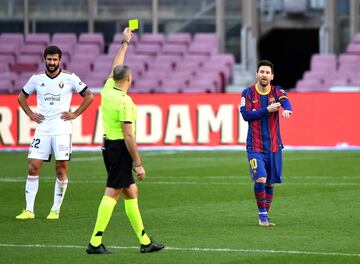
point(51, 50)
point(121, 72)
point(265, 63)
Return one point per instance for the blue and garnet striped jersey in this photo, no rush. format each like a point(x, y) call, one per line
point(264, 128)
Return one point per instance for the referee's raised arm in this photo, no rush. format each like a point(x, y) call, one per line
point(120, 54)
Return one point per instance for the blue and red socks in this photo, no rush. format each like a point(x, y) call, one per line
point(269, 189)
point(260, 195)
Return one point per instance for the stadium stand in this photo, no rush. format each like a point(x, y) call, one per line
point(329, 72)
point(152, 58)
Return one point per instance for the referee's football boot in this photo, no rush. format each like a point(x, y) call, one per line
point(101, 249)
point(263, 220)
point(152, 247)
point(25, 215)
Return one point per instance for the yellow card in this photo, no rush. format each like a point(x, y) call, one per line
point(134, 24)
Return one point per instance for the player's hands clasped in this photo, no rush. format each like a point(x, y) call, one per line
point(38, 118)
point(127, 34)
point(274, 107)
point(68, 116)
point(140, 172)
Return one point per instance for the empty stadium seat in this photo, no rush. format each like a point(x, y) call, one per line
point(12, 38)
point(179, 38)
point(66, 38)
point(38, 38)
point(179, 49)
point(6, 86)
point(148, 49)
point(153, 38)
point(9, 50)
point(93, 38)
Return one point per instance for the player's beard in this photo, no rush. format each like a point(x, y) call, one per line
point(264, 82)
point(52, 70)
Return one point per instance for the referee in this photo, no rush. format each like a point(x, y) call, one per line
point(120, 155)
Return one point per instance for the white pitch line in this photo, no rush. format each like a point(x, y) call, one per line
point(232, 250)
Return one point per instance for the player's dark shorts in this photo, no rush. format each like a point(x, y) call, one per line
point(118, 163)
point(267, 165)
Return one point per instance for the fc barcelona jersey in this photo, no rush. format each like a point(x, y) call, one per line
point(264, 127)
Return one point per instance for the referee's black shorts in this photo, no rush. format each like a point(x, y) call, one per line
point(118, 163)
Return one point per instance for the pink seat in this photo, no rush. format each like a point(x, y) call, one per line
point(202, 48)
point(173, 85)
point(318, 76)
point(9, 76)
point(80, 69)
point(102, 66)
point(114, 47)
point(138, 59)
point(178, 49)
point(153, 38)
point(222, 71)
point(148, 49)
point(92, 49)
point(9, 50)
point(4, 66)
point(30, 59)
point(7, 58)
point(308, 86)
point(161, 66)
point(12, 38)
point(353, 48)
point(94, 82)
point(66, 38)
point(38, 38)
point(323, 62)
point(209, 38)
point(146, 86)
point(35, 49)
point(179, 38)
point(223, 59)
point(201, 86)
point(5, 86)
point(92, 38)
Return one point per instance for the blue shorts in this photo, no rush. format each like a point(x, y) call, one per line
point(267, 165)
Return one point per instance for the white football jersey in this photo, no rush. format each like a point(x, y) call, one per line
point(54, 97)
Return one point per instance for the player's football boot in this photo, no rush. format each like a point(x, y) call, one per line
point(101, 249)
point(53, 215)
point(263, 220)
point(152, 247)
point(271, 223)
point(25, 215)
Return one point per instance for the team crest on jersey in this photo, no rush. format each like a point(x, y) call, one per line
point(61, 85)
point(271, 100)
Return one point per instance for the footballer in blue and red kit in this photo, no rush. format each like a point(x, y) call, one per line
point(260, 105)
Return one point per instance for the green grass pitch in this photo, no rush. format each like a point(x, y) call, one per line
point(199, 204)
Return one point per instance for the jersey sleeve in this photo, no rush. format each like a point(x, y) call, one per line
point(283, 98)
point(30, 86)
point(125, 113)
point(78, 85)
point(246, 108)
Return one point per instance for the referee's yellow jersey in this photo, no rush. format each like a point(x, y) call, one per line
point(116, 107)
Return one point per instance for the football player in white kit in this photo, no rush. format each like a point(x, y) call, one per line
point(54, 89)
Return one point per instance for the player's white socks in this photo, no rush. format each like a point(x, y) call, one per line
point(59, 193)
point(31, 189)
